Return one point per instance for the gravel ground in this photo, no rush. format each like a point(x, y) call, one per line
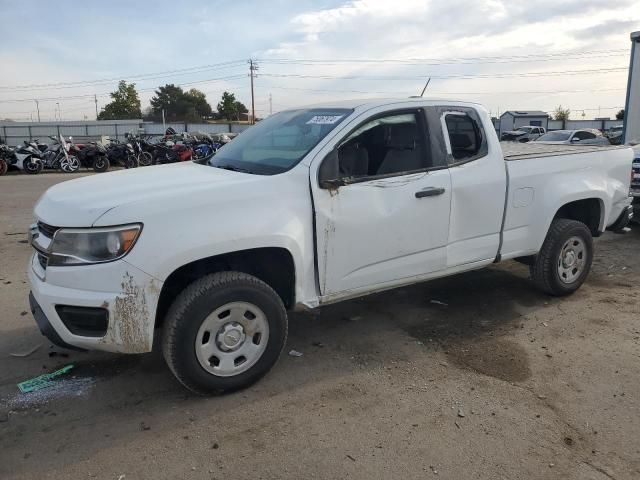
point(493, 380)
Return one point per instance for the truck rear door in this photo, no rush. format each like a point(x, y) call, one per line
point(390, 219)
point(478, 183)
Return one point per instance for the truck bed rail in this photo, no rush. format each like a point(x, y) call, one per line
point(521, 151)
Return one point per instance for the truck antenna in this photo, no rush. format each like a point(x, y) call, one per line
point(425, 87)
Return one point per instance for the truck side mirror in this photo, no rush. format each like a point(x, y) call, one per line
point(328, 173)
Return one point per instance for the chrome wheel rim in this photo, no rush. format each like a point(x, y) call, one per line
point(232, 339)
point(69, 164)
point(572, 260)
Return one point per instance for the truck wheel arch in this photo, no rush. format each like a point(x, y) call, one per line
point(590, 211)
point(273, 265)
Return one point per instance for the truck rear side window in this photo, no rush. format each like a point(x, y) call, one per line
point(465, 136)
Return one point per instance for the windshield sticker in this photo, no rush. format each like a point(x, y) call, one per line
point(324, 119)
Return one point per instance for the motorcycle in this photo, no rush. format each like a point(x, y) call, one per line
point(204, 147)
point(28, 158)
point(122, 154)
point(57, 156)
point(143, 157)
point(91, 155)
point(6, 155)
point(164, 153)
point(183, 152)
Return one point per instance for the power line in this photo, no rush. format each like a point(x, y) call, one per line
point(147, 76)
point(104, 94)
point(408, 61)
point(501, 92)
point(459, 61)
point(444, 77)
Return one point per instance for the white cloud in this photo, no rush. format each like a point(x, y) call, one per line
point(113, 44)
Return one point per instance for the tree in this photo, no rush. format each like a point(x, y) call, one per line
point(240, 108)
point(561, 113)
point(229, 108)
point(125, 103)
point(620, 115)
point(178, 105)
point(199, 102)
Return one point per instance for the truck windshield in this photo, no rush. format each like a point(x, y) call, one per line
point(279, 142)
point(559, 136)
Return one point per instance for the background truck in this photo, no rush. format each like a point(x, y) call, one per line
point(525, 133)
point(309, 207)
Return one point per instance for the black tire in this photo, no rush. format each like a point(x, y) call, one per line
point(131, 162)
point(4, 166)
point(33, 168)
point(101, 164)
point(145, 159)
point(545, 269)
point(190, 310)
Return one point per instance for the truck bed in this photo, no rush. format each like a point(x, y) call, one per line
point(522, 151)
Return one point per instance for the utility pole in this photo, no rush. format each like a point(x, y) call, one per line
point(38, 108)
point(270, 105)
point(95, 99)
point(253, 67)
point(164, 127)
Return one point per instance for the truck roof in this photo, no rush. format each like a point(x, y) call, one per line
point(366, 104)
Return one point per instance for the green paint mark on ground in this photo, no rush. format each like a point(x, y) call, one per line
point(43, 381)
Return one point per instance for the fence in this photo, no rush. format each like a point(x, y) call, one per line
point(576, 124)
point(15, 133)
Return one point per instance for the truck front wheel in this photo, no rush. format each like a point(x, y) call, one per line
point(564, 260)
point(224, 332)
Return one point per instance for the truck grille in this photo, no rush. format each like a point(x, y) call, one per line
point(47, 230)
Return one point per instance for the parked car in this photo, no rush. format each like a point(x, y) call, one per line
point(584, 136)
point(309, 207)
point(523, 134)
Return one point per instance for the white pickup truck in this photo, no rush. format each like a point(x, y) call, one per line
point(309, 207)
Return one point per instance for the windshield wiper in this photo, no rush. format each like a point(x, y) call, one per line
point(233, 168)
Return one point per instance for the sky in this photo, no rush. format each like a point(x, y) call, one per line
point(508, 55)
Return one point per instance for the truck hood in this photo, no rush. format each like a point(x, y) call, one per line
point(80, 202)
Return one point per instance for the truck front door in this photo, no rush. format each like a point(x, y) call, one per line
point(384, 218)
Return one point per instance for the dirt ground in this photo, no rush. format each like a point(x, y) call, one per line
point(492, 381)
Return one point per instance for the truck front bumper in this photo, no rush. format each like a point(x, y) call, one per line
point(108, 307)
point(45, 325)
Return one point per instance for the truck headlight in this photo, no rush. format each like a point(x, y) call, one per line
point(83, 246)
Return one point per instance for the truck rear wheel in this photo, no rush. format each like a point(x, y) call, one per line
point(564, 261)
point(224, 332)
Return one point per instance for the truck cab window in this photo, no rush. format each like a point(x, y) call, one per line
point(465, 135)
point(385, 145)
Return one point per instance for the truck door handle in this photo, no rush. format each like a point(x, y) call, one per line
point(429, 192)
